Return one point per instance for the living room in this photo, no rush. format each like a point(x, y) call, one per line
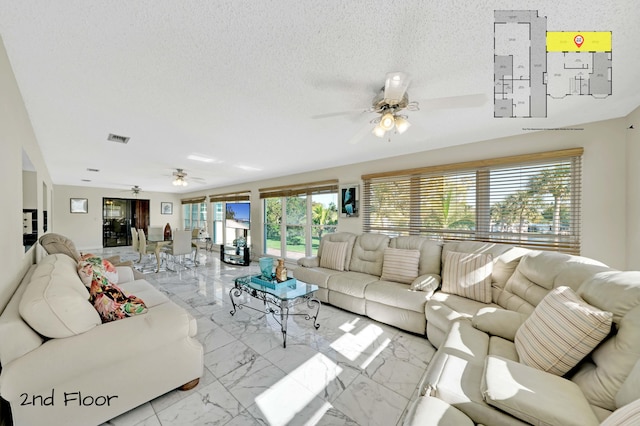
point(610, 179)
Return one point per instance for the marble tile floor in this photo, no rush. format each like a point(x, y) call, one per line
point(351, 371)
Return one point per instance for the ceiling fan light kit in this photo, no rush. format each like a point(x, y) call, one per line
point(392, 99)
point(179, 181)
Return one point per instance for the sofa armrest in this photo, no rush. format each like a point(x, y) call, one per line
point(125, 274)
point(427, 283)
point(309, 262)
point(498, 322)
point(109, 345)
point(533, 395)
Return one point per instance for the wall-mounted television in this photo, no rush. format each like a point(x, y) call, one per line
point(238, 215)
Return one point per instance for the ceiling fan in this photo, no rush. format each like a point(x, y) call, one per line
point(180, 178)
point(135, 190)
point(391, 102)
point(392, 99)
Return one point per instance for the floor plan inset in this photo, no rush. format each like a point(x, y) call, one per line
point(531, 64)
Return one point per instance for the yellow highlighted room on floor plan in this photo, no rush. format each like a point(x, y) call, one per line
point(578, 41)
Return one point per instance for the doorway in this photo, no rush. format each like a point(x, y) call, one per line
point(119, 215)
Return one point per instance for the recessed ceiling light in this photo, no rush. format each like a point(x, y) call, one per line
point(92, 170)
point(200, 158)
point(248, 168)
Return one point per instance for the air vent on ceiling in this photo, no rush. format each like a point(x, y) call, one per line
point(86, 180)
point(118, 138)
point(92, 170)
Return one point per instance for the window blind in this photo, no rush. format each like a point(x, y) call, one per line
point(295, 190)
point(531, 200)
point(230, 197)
point(193, 200)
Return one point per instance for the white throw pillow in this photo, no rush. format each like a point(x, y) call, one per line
point(333, 255)
point(561, 331)
point(400, 265)
point(468, 275)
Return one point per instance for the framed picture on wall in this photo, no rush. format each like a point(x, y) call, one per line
point(166, 207)
point(349, 200)
point(79, 205)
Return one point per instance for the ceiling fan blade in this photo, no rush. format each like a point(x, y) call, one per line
point(338, 114)
point(452, 102)
point(361, 134)
point(395, 87)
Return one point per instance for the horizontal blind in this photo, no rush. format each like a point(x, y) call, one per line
point(193, 200)
point(230, 197)
point(295, 190)
point(533, 203)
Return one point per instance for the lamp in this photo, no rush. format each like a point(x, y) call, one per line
point(379, 131)
point(179, 181)
point(387, 121)
point(401, 124)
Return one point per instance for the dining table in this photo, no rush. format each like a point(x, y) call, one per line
point(163, 242)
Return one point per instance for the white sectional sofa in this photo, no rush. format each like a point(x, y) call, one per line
point(487, 368)
point(65, 367)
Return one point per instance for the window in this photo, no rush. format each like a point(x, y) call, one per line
point(231, 217)
point(195, 213)
point(296, 217)
point(531, 200)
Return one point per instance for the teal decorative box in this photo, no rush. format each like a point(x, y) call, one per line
point(257, 279)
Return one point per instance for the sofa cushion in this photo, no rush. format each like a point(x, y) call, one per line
point(400, 265)
point(534, 396)
point(560, 332)
point(56, 302)
point(538, 272)
point(468, 275)
point(397, 295)
point(601, 375)
point(350, 283)
point(368, 254)
point(333, 255)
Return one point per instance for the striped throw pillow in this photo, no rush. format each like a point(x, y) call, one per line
point(468, 275)
point(400, 265)
point(333, 255)
point(561, 331)
point(628, 415)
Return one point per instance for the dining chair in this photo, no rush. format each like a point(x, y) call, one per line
point(145, 249)
point(156, 233)
point(179, 248)
point(134, 239)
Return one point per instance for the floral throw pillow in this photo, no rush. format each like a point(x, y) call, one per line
point(92, 267)
point(112, 303)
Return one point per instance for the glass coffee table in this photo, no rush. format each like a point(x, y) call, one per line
point(277, 301)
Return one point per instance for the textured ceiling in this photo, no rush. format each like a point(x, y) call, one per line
point(256, 85)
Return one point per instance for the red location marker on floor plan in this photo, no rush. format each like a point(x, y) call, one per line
point(578, 40)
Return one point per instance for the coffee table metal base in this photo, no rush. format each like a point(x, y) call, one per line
point(278, 308)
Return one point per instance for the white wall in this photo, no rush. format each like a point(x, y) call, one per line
point(30, 190)
point(86, 229)
point(633, 190)
point(604, 188)
point(16, 134)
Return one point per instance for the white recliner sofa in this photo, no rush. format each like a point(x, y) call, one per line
point(64, 367)
point(361, 284)
point(477, 369)
point(478, 375)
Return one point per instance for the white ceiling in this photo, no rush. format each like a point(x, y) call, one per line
point(243, 82)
